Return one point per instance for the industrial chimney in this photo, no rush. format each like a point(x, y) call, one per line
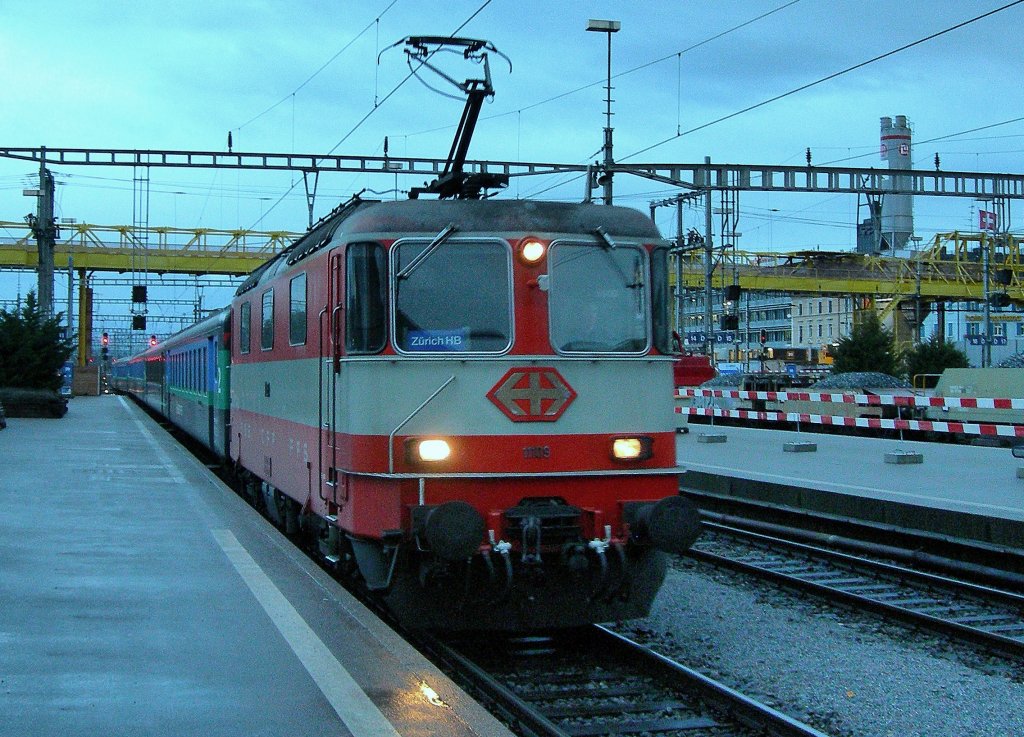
point(897, 209)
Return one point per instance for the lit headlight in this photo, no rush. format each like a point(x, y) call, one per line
point(427, 450)
point(532, 251)
point(632, 449)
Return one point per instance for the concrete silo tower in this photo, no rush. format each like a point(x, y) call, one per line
point(897, 209)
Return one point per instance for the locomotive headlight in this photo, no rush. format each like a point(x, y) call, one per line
point(427, 450)
point(632, 448)
point(532, 251)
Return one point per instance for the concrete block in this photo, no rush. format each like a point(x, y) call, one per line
point(705, 437)
point(799, 447)
point(901, 457)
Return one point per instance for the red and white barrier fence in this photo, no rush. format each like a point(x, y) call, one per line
point(862, 399)
point(876, 423)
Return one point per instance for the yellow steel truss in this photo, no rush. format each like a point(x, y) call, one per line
point(949, 269)
point(161, 250)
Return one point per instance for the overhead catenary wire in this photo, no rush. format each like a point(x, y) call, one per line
point(311, 77)
point(617, 75)
point(944, 137)
point(376, 106)
point(827, 78)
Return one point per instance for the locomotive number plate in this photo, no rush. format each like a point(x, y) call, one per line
point(537, 451)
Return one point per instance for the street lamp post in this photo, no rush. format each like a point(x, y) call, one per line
point(609, 27)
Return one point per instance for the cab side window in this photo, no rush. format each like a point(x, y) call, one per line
point(267, 326)
point(365, 298)
point(244, 323)
point(297, 310)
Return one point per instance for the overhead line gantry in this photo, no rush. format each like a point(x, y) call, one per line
point(706, 175)
point(957, 281)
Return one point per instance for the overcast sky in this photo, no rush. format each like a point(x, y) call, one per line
point(301, 75)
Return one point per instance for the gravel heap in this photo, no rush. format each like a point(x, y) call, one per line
point(860, 380)
point(723, 381)
point(1014, 361)
point(843, 672)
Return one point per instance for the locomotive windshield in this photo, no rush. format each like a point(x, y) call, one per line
point(598, 298)
point(457, 298)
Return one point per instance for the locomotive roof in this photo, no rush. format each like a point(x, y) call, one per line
point(428, 217)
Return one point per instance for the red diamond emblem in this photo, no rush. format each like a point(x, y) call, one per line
point(532, 394)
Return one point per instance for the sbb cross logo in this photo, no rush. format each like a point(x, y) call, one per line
point(532, 394)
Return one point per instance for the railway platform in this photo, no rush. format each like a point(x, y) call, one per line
point(959, 491)
point(142, 596)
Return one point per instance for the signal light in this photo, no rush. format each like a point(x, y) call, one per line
point(999, 299)
point(105, 340)
point(764, 336)
point(152, 340)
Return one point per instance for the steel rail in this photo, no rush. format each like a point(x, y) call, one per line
point(940, 603)
point(967, 559)
point(534, 714)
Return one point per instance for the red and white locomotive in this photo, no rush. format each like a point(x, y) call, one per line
point(464, 402)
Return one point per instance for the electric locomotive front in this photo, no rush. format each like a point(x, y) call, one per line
point(496, 447)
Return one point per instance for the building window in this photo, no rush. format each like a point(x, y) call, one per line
point(267, 324)
point(801, 334)
point(297, 310)
point(244, 322)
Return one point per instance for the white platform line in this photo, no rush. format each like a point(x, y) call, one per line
point(172, 470)
point(355, 708)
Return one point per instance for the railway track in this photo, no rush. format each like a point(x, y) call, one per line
point(1001, 566)
point(593, 682)
point(980, 614)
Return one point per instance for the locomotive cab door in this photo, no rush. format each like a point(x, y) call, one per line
point(331, 348)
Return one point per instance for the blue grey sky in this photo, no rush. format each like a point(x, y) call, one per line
point(300, 76)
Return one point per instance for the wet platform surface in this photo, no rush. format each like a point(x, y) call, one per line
point(141, 596)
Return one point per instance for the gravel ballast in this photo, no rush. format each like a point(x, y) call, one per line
point(843, 672)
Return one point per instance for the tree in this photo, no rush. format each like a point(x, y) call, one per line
point(933, 357)
point(32, 349)
point(868, 347)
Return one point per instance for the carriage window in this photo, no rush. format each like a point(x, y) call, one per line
point(267, 326)
point(365, 298)
point(598, 298)
point(244, 322)
point(455, 298)
point(297, 310)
